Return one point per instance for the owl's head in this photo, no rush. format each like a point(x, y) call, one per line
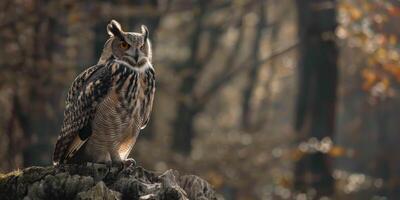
point(131, 47)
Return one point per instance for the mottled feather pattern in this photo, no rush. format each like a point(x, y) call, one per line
point(149, 92)
point(110, 102)
point(80, 106)
point(89, 89)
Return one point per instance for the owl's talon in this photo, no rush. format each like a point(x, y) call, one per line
point(118, 164)
point(109, 164)
point(129, 162)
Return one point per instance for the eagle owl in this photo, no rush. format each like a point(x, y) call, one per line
point(109, 103)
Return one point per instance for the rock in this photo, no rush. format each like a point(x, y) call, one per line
point(99, 191)
point(88, 182)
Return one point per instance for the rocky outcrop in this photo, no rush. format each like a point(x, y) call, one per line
point(100, 182)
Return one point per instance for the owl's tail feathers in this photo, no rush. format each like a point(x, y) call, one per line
point(58, 151)
point(56, 157)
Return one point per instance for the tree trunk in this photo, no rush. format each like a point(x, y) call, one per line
point(42, 94)
point(187, 108)
point(184, 130)
point(254, 70)
point(315, 114)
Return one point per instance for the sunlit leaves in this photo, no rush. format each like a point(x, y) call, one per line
point(337, 151)
point(325, 146)
point(215, 179)
point(393, 10)
point(370, 79)
point(369, 26)
point(355, 13)
point(349, 182)
point(394, 69)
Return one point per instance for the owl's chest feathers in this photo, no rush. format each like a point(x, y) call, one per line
point(121, 112)
point(133, 90)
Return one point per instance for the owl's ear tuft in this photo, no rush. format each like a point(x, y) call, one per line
point(145, 32)
point(114, 29)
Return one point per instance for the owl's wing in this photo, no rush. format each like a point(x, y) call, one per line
point(87, 90)
point(149, 93)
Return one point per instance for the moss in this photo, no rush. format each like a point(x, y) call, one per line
point(13, 173)
point(80, 182)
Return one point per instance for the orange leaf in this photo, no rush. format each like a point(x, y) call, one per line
point(392, 39)
point(355, 13)
point(394, 11)
point(297, 155)
point(393, 69)
point(370, 78)
point(336, 151)
point(215, 179)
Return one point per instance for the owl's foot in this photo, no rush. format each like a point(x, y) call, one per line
point(116, 164)
point(122, 164)
point(129, 162)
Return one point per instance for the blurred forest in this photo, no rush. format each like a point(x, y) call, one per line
point(265, 99)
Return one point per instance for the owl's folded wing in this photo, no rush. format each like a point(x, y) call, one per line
point(86, 92)
point(149, 96)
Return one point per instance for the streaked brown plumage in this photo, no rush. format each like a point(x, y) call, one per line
point(110, 102)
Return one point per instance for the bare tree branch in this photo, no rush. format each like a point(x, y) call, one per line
point(254, 69)
point(206, 96)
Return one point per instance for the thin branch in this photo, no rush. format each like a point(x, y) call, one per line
point(128, 11)
point(254, 68)
point(206, 96)
point(235, 51)
point(215, 38)
point(213, 45)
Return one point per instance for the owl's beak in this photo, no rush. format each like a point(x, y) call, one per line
point(134, 54)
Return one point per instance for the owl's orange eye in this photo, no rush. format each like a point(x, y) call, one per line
point(124, 45)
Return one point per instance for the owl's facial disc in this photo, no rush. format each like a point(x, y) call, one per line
point(135, 56)
point(132, 54)
point(135, 51)
point(131, 47)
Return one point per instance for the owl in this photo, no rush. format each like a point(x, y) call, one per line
point(109, 103)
